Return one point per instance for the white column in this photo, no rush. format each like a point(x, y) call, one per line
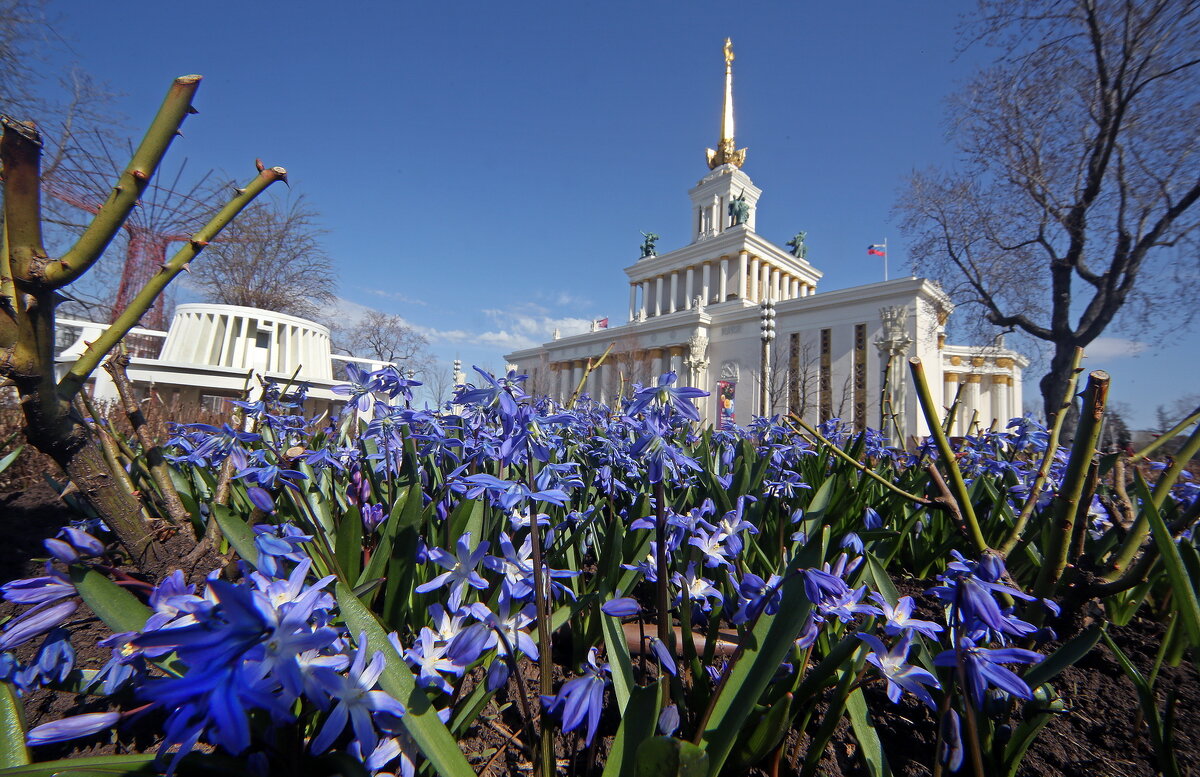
point(595, 385)
point(764, 282)
point(689, 288)
point(723, 280)
point(576, 374)
point(632, 300)
point(656, 364)
point(754, 292)
point(1000, 399)
point(672, 306)
point(564, 381)
point(658, 295)
point(645, 296)
point(794, 283)
point(706, 283)
point(676, 360)
point(743, 286)
point(775, 289)
point(970, 405)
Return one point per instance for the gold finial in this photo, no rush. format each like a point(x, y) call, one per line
point(727, 152)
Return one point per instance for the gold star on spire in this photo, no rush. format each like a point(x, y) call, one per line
point(727, 152)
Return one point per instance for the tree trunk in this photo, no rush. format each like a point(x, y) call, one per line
point(1053, 386)
point(61, 434)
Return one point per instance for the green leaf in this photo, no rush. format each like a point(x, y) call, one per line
point(1070, 652)
point(670, 757)
point(239, 534)
point(421, 720)
point(119, 609)
point(12, 729)
point(773, 637)
point(7, 461)
point(881, 579)
point(868, 738)
point(349, 544)
point(1185, 594)
point(638, 723)
point(617, 649)
point(100, 764)
point(766, 735)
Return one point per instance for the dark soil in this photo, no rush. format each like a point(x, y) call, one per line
point(1100, 733)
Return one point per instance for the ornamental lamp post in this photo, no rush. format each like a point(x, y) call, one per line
point(767, 326)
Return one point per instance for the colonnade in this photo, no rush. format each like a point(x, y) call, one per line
point(985, 397)
point(604, 381)
point(713, 281)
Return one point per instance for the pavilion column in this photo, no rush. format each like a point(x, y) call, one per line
point(949, 389)
point(775, 289)
point(743, 286)
point(672, 306)
point(971, 404)
point(723, 279)
point(596, 383)
point(658, 295)
point(645, 296)
point(676, 362)
point(764, 282)
point(633, 287)
point(795, 287)
point(706, 282)
point(754, 292)
point(576, 374)
point(1000, 400)
point(656, 364)
point(689, 288)
point(564, 381)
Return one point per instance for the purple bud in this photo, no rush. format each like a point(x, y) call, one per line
point(497, 675)
point(622, 607)
point(663, 655)
point(72, 727)
point(62, 551)
point(668, 721)
point(261, 499)
point(35, 622)
point(871, 519)
point(83, 541)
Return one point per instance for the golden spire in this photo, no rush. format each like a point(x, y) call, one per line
point(727, 152)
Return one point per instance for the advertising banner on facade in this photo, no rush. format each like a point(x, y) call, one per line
point(725, 396)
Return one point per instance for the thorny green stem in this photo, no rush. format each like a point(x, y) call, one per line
point(957, 485)
point(1039, 482)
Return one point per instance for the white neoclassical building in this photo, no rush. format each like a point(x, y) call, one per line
point(214, 353)
point(699, 310)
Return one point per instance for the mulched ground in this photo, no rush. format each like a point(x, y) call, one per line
point(1099, 735)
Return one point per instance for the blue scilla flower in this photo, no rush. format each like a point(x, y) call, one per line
point(900, 675)
point(983, 667)
point(358, 700)
point(899, 619)
point(460, 569)
point(667, 399)
point(581, 700)
point(359, 389)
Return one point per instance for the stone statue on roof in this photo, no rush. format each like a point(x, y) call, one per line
point(799, 249)
point(648, 244)
point(739, 209)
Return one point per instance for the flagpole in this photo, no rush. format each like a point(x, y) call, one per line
point(885, 267)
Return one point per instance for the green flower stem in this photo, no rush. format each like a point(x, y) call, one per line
point(1070, 495)
point(21, 156)
point(855, 463)
point(1167, 436)
point(1141, 526)
point(129, 187)
point(958, 486)
point(87, 363)
point(1039, 482)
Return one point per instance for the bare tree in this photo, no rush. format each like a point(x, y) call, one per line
point(271, 258)
point(388, 338)
point(1078, 169)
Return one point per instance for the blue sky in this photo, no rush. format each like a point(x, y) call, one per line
point(485, 168)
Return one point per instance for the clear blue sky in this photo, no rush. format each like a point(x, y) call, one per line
point(484, 168)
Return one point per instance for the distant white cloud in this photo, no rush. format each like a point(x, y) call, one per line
point(396, 297)
point(1115, 348)
point(514, 329)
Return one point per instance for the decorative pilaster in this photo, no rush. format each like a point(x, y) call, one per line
point(893, 344)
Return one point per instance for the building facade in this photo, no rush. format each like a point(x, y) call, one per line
point(742, 318)
point(214, 353)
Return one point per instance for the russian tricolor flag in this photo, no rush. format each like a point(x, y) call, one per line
point(876, 250)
